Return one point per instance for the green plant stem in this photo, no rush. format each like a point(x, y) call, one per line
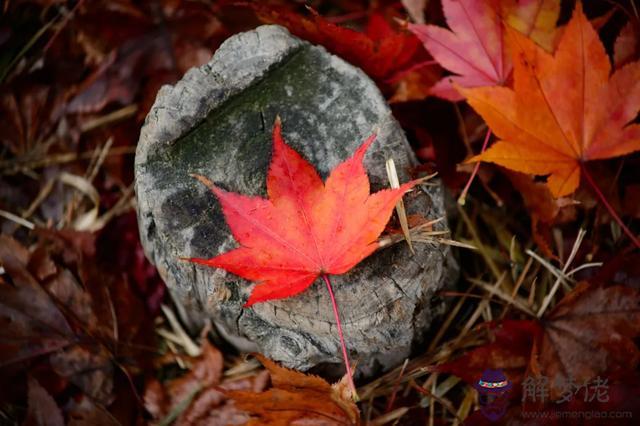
point(604, 200)
point(463, 197)
point(342, 343)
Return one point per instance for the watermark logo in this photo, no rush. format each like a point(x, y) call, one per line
point(536, 389)
point(596, 391)
point(493, 389)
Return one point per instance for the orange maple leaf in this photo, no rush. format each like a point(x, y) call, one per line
point(565, 109)
point(306, 228)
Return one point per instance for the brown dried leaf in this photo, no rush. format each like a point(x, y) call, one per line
point(89, 368)
point(211, 406)
point(297, 398)
point(43, 410)
point(56, 312)
point(205, 371)
point(627, 46)
point(87, 413)
point(28, 114)
point(589, 333)
point(202, 392)
point(31, 324)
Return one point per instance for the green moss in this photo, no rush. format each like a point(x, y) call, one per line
point(232, 144)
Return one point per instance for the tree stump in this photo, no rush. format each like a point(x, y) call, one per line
point(217, 122)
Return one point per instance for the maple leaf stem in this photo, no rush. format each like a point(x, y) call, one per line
point(611, 210)
point(463, 197)
point(343, 345)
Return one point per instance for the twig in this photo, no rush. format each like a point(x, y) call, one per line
point(62, 25)
point(548, 265)
point(117, 115)
point(389, 417)
point(445, 403)
point(478, 311)
point(462, 129)
point(183, 338)
point(519, 283)
point(507, 298)
point(44, 193)
point(478, 243)
point(25, 49)
point(17, 219)
point(402, 214)
point(574, 251)
point(395, 387)
point(585, 266)
point(92, 171)
point(465, 407)
point(15, 165)
point(180, 407)
point(447, 323)
point(423, 234)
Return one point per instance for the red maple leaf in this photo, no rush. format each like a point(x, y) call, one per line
point(381, 51)
point(306, 228)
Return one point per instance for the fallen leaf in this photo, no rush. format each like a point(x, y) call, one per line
point(297, 398)
point(28, 115)
point(199, 397)
point(205, 371)
point(306, 228)
point(534, 18)
point(43, 410)
point(84, 412)
point(32, 325)
point(590, 332)
point(622, 268)
point(626, 48)
point(509, 350)
point(559, 114)
point(64, 315)
point(119, 242)
point(381, 51)
point(475, 48)
point(117, 78)
point(136, 48)
point(90, 369)
point(414, 85)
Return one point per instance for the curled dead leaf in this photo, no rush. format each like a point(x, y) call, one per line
point(297, 398)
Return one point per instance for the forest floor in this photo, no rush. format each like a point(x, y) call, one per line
point(549, 298)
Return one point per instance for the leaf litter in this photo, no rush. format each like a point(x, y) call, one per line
point(537, 296)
